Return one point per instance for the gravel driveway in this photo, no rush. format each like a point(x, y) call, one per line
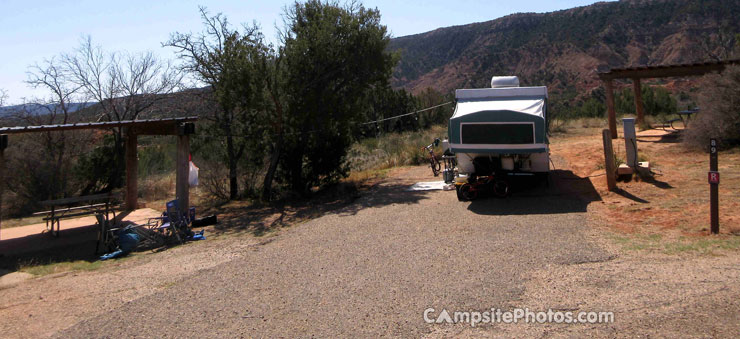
point(370, 269)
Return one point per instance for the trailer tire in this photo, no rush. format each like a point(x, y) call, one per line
point(460, 197)
point(468, 193)
point(501, 188)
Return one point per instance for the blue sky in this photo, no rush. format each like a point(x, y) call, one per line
point(31, 31)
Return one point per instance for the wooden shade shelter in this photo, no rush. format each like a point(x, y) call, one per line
point(180, 127)
point(637, 73)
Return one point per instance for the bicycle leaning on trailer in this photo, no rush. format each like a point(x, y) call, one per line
point(433, 160)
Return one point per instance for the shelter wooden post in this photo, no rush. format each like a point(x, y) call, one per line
point(610, 108)
point(637, 89)
point(182, 186)
point(3, 145)
point(132, 165)
point(609, 165)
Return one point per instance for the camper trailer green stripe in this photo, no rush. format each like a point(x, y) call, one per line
point(518, 130)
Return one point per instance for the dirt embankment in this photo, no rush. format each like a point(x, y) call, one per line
point(674, 203)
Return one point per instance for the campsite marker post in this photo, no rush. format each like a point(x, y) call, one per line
point(713, 186)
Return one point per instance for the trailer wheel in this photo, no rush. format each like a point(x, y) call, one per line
point(468, 192)
point(501, 188)
point(460, 197)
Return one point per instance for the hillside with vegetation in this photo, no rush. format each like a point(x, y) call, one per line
point(275, 123)
point(564, 49)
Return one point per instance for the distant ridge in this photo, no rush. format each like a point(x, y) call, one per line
point(186, 103)
point(39, 109)
point(563, 49)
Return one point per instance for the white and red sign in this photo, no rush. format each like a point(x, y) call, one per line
point(713, 177)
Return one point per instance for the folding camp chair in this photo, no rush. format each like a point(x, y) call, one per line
point(173, 223)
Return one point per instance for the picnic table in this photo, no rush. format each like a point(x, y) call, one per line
point(78, 206)
point(685, 116)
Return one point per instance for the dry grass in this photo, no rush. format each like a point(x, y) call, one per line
point(393, 150)
point(576, 126)
point(361, 178)
point(23, 221)
point(44, 269)
point(157, 187)
point(680, 245)
point(582, 126)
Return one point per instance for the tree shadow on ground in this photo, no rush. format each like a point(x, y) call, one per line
point(657, 183)
point(261, 219)
point(79, 243)
point(42, 248)
point(671, 138)
point(630, 196)
point(649, 179)
point(566, 193)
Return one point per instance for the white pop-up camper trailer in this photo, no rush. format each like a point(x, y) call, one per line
point(500, 131)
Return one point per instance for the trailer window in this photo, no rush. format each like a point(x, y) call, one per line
point(507, 134)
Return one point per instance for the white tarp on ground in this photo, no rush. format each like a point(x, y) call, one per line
point(427, 186)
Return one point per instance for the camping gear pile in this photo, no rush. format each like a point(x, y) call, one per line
point(173, 226)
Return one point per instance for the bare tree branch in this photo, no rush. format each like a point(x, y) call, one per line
point(125, 85)
point(3, 97)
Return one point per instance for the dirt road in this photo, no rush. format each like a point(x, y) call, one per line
point(371, 269)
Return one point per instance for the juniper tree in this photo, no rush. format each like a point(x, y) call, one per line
point(333, 57)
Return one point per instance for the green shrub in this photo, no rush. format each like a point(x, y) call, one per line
point(655, 101)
